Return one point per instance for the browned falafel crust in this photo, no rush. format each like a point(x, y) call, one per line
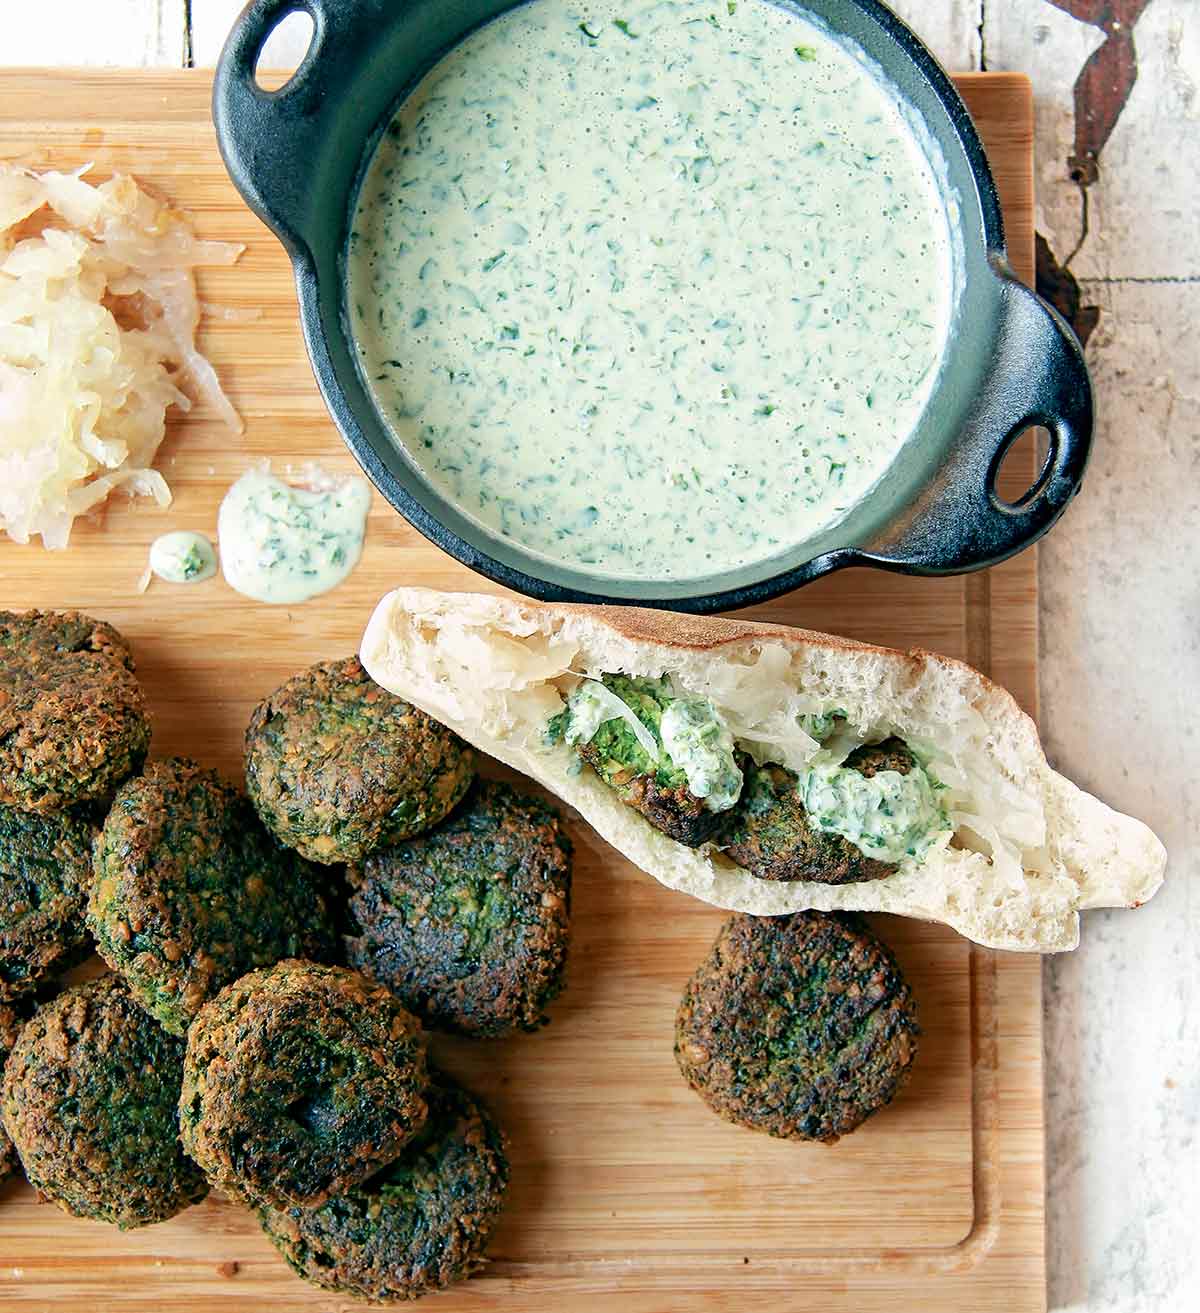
point(469, 924)
point(671, 808)
point(769, 833)
point(89, 1099)
point(801, 1026)
point(45, 874)
point(891, 754)
point(73, 720)
point(11, 1022)
point(338, 766)
point(300, 1082)
point(417, 1226)
point(190, 891)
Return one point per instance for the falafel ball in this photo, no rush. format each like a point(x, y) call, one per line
point(419, 1225)
point(73, 720)
point(45, 874)
point(769, 834)
point(338, 766)
point(657, 788)
point(469, 924)
point(190, 891)
point(89, 1098)
point(801, 1026)
point(300, 1082)
point(11, 1022)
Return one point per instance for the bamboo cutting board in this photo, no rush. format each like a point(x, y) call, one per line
point(627, 1194)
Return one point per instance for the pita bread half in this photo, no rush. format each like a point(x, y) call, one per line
point(1028, 851)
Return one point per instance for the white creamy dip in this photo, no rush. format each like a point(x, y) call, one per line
point(283, 544)
point(653, 289)
point(183, 557)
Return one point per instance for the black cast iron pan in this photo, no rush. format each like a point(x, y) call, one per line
point(297, 155)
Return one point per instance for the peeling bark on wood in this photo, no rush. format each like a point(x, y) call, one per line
point(1106, 80)
point(1057, 284)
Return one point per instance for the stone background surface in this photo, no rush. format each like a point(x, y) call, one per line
point(1117, 84)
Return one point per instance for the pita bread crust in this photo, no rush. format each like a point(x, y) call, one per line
point(483, 665)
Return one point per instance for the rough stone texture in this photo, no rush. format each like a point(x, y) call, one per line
point(950, 28)
point(1120, 582)
point(1121, 596)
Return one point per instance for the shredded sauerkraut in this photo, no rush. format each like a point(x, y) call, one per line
point(592, 703)
point(98, 319)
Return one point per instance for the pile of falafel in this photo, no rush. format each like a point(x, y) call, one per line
point(276, 955)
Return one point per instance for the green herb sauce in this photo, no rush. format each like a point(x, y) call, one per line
point(655, 288)
point(282, 544)
point(183, 557)
point(888, 816)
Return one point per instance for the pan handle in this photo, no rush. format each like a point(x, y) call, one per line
point(1038, 378)
point(268, 139)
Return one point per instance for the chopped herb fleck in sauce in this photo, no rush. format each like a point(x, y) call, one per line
point(183, 557)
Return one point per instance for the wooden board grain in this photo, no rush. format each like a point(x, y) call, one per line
point(627, 1194)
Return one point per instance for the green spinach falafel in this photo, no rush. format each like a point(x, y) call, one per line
point(419, 1225)
point(89, 1099)
point(800, 1026)
point(771, 835)
point(190, 892)
point(73, 720)
point(45, 873)
point(469, 925)
point(11, 1022)
point(338, 767)
point(685, 799)
point(300, 1082)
